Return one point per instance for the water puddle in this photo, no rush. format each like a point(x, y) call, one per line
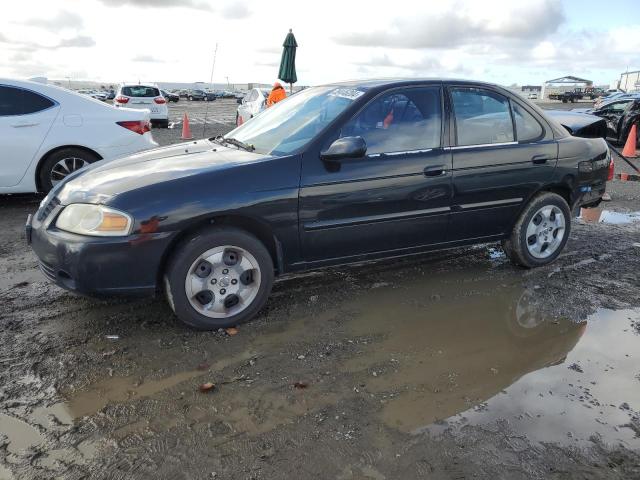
point(20, 434)
point(472, 344)
point(598, 215)
point(123, 389)
point(594, 392)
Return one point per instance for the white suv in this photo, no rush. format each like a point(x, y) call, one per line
point(144, 97)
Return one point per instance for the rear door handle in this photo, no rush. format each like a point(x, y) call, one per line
point(24, 124)
point(538, 159)
point(435, 171)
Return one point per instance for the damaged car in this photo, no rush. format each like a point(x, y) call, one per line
point(335, 174)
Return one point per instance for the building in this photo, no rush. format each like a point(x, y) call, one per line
point(630, 81)
point(531, 89)
point(564, 84)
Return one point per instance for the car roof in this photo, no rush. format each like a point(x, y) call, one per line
point(152, 85)
point(401, 82)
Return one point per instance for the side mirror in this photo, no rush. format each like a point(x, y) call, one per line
point(345, 148)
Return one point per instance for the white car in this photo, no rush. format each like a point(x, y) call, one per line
point(47, 132)
point(532, 96)
point(252, 104)
point(144, 97)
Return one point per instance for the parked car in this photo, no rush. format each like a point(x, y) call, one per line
point(532, 96)
point(335, 174)
point(613, 97)
point(210, 96)
point(48, 132)
point(619, 115)
point(111, 94)
point(252, 104)
point(196, 95)
point(170, 97)
point(94, 94)
point(144, 97)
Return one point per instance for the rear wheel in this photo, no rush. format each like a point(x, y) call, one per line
point(61, 163)
point(541, 232)
point(218, 278)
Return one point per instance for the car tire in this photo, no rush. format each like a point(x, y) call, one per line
point(188, 267)
point(545, 220)
point(191, 99)
point(57, 165)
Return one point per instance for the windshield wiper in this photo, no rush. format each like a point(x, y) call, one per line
point(235, 142)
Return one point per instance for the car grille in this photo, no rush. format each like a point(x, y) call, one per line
point(46, 210)
point(48, 272)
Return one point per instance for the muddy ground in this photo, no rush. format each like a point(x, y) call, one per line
point(449, 365)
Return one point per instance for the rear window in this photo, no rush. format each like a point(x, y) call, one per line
point(140, 91)
point(17, 101)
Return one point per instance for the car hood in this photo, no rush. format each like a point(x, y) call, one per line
point(104, 180)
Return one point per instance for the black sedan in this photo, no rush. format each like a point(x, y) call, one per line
point(170, 97)
point(334, 174)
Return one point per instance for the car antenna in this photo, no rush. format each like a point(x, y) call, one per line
point(206, 109)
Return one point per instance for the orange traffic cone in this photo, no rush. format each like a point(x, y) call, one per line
point(186, 130)
point(630, 147)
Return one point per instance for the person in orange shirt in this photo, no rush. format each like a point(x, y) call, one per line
point(277, 94)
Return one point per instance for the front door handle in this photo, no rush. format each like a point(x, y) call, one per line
point(435, 171)
point(539, 159)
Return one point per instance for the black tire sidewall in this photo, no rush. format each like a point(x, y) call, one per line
point(190, 250)
point(547, 199)
point(44, 172)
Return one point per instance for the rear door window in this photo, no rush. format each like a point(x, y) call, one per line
point(140, 91)
point(17, 101)
point(527, 127)
point(482, 117)
point(401, 121)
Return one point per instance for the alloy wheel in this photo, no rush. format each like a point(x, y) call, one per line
point(65, 167)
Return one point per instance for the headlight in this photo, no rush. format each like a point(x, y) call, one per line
point(95, 220)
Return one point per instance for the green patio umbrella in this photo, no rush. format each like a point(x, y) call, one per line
point(287, 71)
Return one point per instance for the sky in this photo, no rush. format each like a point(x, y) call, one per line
point(502, 41)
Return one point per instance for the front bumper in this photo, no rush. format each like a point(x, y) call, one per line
point(95, 265)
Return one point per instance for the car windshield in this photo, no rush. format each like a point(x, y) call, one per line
point(294, 122)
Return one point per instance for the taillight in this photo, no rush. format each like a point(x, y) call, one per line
point(137, 126)
point(121, 99)
point(160, 100)
point(611, 170)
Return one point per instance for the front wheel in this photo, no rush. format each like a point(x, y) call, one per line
point(218, 278)
point(541, 232)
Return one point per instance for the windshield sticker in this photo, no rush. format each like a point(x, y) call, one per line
point(349, 93)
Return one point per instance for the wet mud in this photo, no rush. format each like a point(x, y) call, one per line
point(449, 365)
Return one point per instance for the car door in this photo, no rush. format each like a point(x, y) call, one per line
point(496, 167)
point(395, 197)
point(25, 120)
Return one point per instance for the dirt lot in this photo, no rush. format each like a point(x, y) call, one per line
point(451, 365)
